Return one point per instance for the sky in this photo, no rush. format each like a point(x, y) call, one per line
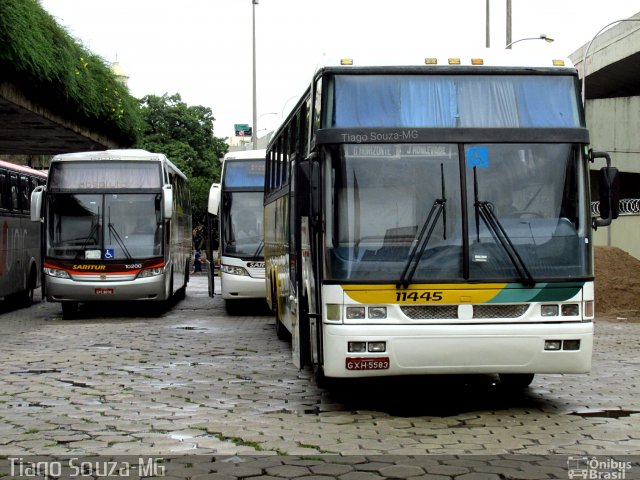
point(202, 49)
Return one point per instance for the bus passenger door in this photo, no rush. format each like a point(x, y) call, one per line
point(299, 307)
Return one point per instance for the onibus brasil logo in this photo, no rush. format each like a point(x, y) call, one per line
point(594, 468)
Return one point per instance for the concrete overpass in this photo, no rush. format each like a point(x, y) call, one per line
point(27, 128)
point(612, 90)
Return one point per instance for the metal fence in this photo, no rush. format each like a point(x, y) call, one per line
point(628, 206)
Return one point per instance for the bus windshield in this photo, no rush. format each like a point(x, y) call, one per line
point(242, 224)
point(379, 197)
point(104, 226)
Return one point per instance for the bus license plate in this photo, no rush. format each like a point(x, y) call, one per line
point(369, 363)
point(104, 291)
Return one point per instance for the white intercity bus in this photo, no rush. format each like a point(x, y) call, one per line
point(117, 226)
point(431, 216)
point(19, 238)
point(236, 204)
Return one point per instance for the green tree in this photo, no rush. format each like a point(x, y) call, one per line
point(185, 135)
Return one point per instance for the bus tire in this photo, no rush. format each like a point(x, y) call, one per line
point(516, 381)
point(232, 307)
point(69, 310)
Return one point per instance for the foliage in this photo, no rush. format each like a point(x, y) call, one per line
point(185, 135)
point(50, 67)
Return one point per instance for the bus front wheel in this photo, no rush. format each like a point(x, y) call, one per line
point(69, 310)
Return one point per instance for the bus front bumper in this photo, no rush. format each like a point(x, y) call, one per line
point(457, 349)
point(236, 287)
point(66, 290)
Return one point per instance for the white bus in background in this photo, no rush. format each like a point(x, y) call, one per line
point(117, 226)
point(19, 238)
point(237, 202)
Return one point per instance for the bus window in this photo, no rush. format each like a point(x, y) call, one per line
point(14, 192)
point(5, 198)
point(23, 193)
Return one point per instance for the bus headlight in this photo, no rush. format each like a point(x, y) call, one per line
point(570, 310)
point(56, 272)
point(377, 312)
point(549, 310)
point(151, 272)
point(232, 270)
point(354, 313)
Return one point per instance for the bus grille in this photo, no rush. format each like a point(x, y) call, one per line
point(435, 312)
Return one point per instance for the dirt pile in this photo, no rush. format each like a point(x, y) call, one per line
point(617, 283)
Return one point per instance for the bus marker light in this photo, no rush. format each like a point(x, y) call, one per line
point(377, 312)
point(454, 61)
point(588, 308)
point(377, 347)
point(477, 61)
point(570, 310)
point(346, 61)
point(549, 310)
point(357, 347)
point(558, 63)
point(431, 61)
point(552, 344)
point(355, 313)
point(333, 311)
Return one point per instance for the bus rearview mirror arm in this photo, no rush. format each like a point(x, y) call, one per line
point(609, 186)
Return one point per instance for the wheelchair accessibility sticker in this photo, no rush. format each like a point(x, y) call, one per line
point(477, 157)
point(108, 253)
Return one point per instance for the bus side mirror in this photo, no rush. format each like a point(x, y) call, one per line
point(609, 186)
point(36, 203)
point(167, 202)
point(214, 199)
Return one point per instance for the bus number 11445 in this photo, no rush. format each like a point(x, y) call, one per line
point(425, 296)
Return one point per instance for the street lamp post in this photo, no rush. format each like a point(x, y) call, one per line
point(541, 37)
point(254, 133)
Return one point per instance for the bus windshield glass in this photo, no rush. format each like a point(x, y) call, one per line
point(104, 226)
point(82, 175)
point(450, 101)
point(242, 224)
point(244, 173)
point(383, 199)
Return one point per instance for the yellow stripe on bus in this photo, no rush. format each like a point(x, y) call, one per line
point(424, 294)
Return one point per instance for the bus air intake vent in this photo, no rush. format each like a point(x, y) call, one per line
point(431, 312)
point(434, 312)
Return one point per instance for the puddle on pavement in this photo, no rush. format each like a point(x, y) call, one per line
point(605, 413)
point(36, 371)
point(190, 327)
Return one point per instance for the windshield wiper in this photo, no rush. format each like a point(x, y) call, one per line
point(484, 211)
point(259, 249)
point(112, 230)
point(415, 255)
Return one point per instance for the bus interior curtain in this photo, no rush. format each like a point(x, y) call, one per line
point(547, 102)
point(449, 101)
point(394, 101)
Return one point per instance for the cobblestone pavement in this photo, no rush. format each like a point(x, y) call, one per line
point(125, 380)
